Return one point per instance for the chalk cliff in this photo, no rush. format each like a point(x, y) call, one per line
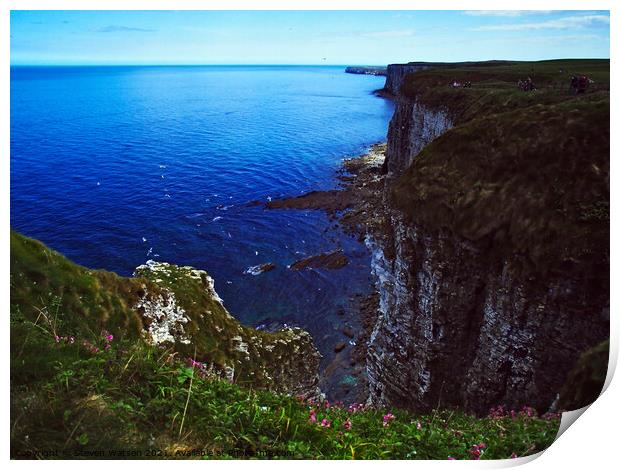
point(494, 271)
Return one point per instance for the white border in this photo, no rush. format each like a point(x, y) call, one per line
point(591, 443)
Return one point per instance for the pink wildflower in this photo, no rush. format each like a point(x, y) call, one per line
point(451, 458)
point(497, 412)
point(387, 418)
point(109, 338)
point(528, 411)
point(57, 338)
point(347, 424)
point(312, 416)
point(418, 425)
point(355, 407)
point(513, 456)
point(326, 423)
point(476, 450)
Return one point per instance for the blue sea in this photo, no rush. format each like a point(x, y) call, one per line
point(113, 166)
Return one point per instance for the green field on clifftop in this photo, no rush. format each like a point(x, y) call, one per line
point(520, 172)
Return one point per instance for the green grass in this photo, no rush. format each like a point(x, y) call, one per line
point(521, 173)
point(494, 87)
point(68, 402)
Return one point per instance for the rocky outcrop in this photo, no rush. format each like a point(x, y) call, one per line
point(185, 312)
point(169, 306)
point(457, 326)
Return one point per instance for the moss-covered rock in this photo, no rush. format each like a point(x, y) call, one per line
point(585, 382)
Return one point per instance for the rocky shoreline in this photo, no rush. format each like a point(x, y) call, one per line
point(356, 205)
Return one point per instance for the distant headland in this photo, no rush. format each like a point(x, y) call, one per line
point(367, 70)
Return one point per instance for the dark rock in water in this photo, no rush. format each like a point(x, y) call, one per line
point(339, 347)
point(333, 200)
point(348, 331)
point(332, 260)
point(259, 269)
point(340, 312)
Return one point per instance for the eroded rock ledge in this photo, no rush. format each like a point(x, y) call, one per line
point(186, 312)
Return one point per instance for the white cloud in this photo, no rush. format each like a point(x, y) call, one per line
point(559, 23)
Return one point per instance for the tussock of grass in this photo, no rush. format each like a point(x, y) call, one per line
point(133, 397)
point(45, 284)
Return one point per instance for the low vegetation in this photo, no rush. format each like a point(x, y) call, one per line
point(99, 397)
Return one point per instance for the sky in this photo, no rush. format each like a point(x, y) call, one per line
point(303, 37)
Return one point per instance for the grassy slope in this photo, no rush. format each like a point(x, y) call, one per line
point(70, 300)
point(526, 173)
point(134, 397)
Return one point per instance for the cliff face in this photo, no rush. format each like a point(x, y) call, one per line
point(468, 316)
point(396, 73)
point(411, 128)
point(454, 329)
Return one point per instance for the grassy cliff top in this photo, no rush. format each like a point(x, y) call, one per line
point(524, 172)
point(494, 87)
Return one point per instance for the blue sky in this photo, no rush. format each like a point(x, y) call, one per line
point(298, 37)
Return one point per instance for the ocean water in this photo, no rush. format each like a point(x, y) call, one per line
point(113, 166)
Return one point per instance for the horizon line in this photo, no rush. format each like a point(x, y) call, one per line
point(288, 65)
point(193, 65)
